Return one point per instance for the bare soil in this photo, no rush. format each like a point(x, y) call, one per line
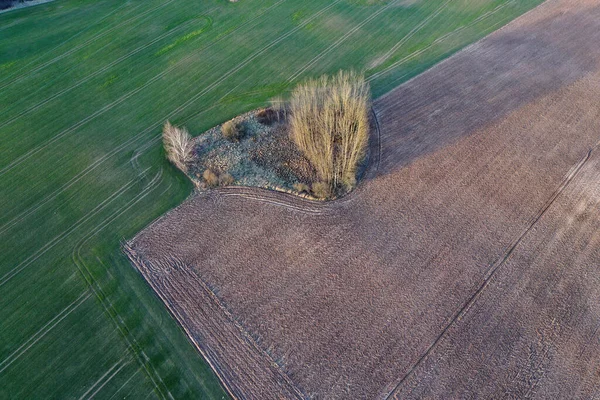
point(464, 266)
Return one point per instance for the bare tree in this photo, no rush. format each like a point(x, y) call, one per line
point(178, 145)
point(330, 125)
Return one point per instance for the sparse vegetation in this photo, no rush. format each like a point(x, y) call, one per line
point(232, 131)
point(314, 150)
point(301, 188)
point(178, 145)
point(265, 156)
point(322, 190)
point(329, 123)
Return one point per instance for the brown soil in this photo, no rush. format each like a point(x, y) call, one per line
point(534, 332)
point(464, 266)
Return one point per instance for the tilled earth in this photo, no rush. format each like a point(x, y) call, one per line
point(464, 266)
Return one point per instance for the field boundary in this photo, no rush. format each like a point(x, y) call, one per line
point(279, 384)
point(467, 48)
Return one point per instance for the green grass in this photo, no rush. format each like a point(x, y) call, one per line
point(85, 86)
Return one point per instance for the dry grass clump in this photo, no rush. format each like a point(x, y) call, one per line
point(210, 178)
point(322, 190)
point(178, 145)
point(301, 188)
point(330, 124)
point(226, 179)
point(232, 131)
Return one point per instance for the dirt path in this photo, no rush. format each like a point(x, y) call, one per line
point(372, 295)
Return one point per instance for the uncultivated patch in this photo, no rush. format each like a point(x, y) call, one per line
point(253, 151)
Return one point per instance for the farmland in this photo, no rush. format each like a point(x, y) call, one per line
point(464, 265)
point(84, 87)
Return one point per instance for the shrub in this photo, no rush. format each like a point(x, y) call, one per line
point(178, 145)
point(4, 4)
point(267, 116)
point(210, 178)
point(322, 190)
point(301, 188)
point(330, 124)
point(232, 131)
point(226, 180)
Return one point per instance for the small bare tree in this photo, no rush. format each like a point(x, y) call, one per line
point(279, 105)
point(178, 145)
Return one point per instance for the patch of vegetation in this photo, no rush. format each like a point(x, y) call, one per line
point(263, 156)
point(299, 15)
point(311, 147)
point(210, 178)
point(207, 26)
point(7, 66)
point(301, 188)
point(322, 190)
point(110, 80)
point(232, 131)
point(267, 116)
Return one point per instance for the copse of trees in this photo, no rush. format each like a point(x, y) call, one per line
point(329, 123)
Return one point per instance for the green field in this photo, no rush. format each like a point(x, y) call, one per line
point(84, 88)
